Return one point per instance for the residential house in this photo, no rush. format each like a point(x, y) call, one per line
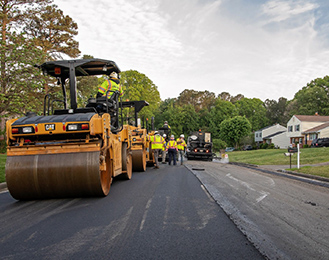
point(304, 129)
point(320, 131)
point(279, 139)
point(272, 134)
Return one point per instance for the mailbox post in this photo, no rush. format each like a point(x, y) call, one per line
point(291, 151)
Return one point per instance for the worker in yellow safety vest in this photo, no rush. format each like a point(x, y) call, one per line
point(109, 86)
point(165, 125)
point(164, 152)
point(172, 149)
point(156, 145)
point(181, 145)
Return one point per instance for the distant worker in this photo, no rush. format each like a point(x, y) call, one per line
point(165, 125)
point(164, 153)
point(172, 149)
point(109, 86)
point(157, 144)
point(181, 145)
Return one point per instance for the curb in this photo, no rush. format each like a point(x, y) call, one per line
point(3, 186)
point(316, 180)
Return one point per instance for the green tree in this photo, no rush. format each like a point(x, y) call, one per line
point(232, 130)
point(276, 111)
point(137, 86)
point(254, 110)
point(199, 99)
point(312, 99)
point(20, 81)
point(225, 96)
point(218, 144)
point(221, 111)
point(52, 31)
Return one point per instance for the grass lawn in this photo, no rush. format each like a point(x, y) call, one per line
point(2, 167)
point(277, 157)
point(322, 171)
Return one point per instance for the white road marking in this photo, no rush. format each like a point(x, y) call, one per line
point(148, 204)
point(263, 195)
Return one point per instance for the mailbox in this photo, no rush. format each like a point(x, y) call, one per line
point(292, 150)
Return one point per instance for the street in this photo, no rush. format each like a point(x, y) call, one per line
point(159, 214)
point(283, 217)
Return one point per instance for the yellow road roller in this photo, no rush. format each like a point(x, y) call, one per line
point(70, 152)
point(140, 142)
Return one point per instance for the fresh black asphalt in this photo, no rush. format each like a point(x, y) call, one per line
point(158, 214)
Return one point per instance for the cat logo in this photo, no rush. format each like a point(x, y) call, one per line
point(50, 127)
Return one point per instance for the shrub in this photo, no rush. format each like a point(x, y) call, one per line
point(270, 146)
point(218, 144)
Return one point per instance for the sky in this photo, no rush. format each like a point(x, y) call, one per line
point(263, 49)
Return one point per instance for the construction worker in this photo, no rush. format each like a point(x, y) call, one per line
point(164, 153)
point(172, 149)
point(165, 125)
point(157, 144)
point(181, 145)
point(111, 85)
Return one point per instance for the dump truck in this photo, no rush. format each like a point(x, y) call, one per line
point(72, 152)
point(199, 146)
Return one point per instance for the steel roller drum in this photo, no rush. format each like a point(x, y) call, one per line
point(62, 175)
point(139, 160)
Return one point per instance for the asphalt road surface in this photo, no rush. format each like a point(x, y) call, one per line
point(283, 217)
point(159, 214)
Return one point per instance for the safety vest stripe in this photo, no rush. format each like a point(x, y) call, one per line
point(101, 89)
point(109, 88)
point(172, 144)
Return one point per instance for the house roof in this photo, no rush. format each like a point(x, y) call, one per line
point(272, 135)
point(312, 118)
point(316, 129)
point(268, 127)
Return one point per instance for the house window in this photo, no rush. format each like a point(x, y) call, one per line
point(256, 134)
point(260, 134)
point(290, 128)
point(312, 136)
point(300, 140)
point(297, 128)
point(293, 140)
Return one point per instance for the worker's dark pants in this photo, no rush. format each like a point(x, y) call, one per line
point(156, 156)
point(172, 155)
point(181, 154)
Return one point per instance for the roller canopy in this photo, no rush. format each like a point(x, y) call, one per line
point(69, 69)
point(87, 67)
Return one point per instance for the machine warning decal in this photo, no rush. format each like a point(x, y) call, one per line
point(50, 127)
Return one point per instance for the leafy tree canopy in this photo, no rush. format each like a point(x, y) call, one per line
point(198, 99)
point(233, 129)
point(137, 86)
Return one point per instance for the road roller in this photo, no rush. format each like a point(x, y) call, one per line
point(71, 151)
point(140, 142)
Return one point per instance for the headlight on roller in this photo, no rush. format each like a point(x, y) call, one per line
point(27, 130)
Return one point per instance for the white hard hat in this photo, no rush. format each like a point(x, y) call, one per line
point(114, 75)
point(172, 136)
point(182, 135)
point(156, 132)
point(164, 135)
